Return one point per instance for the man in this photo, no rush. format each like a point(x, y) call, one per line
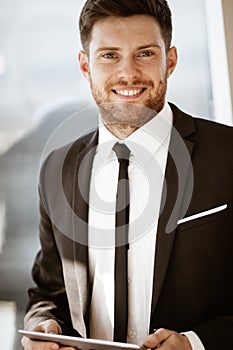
point(180, 218)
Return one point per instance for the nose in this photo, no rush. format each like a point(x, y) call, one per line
point(129, 70)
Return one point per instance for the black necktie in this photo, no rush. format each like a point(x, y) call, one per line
point(121, 245)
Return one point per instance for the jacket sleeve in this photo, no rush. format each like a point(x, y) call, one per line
point(216, 333)
point(48, 299)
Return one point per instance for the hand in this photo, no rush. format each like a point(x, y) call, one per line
point(167, 340)
point(49, 326)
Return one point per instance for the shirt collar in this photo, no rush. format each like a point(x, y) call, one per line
point(145, 141)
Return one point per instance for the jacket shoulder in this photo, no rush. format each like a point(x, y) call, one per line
point(205, 130)
point(63, 160)
point(70, 151)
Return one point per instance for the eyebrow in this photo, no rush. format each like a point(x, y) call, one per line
point(148, 46)
point(112, 48)
point(107, 48)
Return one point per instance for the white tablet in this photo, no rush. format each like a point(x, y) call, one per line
point(80, 343)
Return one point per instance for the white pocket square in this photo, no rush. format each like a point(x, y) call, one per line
point(202, 214)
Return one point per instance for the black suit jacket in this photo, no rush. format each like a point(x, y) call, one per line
point(193, 282)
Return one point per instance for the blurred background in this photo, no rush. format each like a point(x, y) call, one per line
point(41, 87)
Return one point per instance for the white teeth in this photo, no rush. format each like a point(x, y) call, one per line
point(128, 92)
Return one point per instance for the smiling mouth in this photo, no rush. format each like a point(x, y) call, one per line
point(129, 92)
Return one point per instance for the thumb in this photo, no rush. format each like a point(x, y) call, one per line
point(49, 326)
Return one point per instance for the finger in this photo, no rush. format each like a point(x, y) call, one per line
point(29, 344)
point(52, 327)
point(156, 338)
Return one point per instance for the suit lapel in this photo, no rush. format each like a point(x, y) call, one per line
point(80, 205)
point(176, 197)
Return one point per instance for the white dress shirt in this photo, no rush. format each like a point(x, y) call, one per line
point(149, 151)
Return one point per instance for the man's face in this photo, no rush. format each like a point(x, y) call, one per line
point(127, 62)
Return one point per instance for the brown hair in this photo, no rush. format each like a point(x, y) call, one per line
point(94, 10)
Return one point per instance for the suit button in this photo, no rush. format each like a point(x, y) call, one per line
point(132, 334)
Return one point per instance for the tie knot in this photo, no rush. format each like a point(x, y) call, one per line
point(121, 150)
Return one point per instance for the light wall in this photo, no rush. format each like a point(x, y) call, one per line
point(190, 85)
point(219, 62)
point(227, 6)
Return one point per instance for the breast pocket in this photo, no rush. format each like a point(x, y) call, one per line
point(204, 217)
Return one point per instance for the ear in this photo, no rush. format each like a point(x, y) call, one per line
point(171, 60)
point(84, 64)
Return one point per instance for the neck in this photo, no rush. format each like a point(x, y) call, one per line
point(121, 131)
point(122, 119)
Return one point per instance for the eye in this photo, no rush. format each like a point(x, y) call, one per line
point(109, 55)
point(146, 54)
